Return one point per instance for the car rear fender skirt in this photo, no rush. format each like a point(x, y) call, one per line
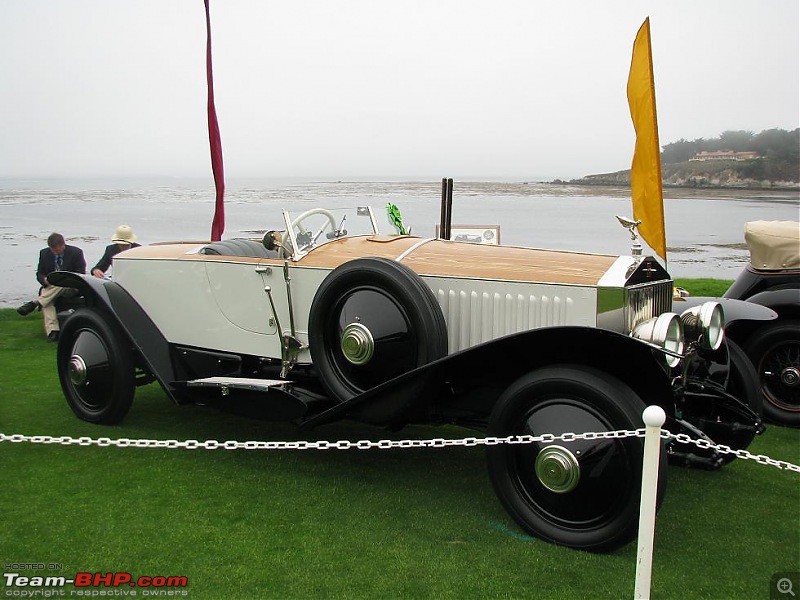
point(463, 387)
point(113, 301)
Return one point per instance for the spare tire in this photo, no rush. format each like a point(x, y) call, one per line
point(371, 320)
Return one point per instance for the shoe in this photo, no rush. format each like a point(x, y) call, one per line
point(28, 308)
point(53, 336)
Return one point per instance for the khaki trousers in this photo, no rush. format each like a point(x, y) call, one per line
point(47, 298)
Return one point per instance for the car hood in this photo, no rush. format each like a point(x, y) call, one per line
point(430, 257)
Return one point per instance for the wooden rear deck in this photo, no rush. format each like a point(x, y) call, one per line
point(427, 257)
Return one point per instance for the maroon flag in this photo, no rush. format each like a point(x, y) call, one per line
point(218, 225)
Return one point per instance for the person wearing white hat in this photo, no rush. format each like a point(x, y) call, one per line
point(123, 239)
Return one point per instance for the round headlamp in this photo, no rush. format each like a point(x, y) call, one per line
point(705, 324)
point(664, 331)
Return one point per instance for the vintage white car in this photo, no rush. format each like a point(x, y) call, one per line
point(327, 319)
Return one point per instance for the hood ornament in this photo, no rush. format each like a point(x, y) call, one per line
point(631, 225)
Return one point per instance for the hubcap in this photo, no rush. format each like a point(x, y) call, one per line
point(557, 469)
point(77, 370)
point(357, 343)
point(790, 377)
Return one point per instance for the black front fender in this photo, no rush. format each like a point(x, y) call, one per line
point(735, 310)
point(742, 317)
point(463, 387)
point(785, 302)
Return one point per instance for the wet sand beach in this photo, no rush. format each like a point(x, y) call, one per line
point(704, 227)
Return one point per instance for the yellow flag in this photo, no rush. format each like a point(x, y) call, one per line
point(646, 191)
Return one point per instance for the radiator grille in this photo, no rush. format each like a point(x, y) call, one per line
point(647, 301)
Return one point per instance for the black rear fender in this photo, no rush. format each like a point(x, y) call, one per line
point(109, 298)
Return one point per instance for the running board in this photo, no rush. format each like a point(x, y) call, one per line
point(269, 399)
point(225, 384)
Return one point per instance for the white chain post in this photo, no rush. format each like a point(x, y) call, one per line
point(653, 417)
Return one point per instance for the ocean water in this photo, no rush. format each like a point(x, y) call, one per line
point(704, 227)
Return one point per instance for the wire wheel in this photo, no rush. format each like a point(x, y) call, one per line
point(775, 352)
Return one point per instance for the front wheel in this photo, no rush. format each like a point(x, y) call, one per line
point(95, 368)
point(775, 352)
point(582, 494)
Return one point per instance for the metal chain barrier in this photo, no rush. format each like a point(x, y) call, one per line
point(320, 445)
point(388, 444)
point(723, 449)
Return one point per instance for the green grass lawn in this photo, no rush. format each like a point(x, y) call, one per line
point(704, 287)
point(420, 523)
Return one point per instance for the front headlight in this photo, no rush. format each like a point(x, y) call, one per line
point(705, 325)
point(665, 331)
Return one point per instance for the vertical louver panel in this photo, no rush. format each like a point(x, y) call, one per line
point(475, 317)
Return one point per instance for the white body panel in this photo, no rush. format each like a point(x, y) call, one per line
point(477, 311)
point(221, 304)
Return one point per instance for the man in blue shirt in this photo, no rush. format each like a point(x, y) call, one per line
point(58, 256)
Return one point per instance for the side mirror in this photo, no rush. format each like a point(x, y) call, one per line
point(272, 240)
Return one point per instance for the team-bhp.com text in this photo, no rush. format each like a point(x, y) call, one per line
point(93, 585)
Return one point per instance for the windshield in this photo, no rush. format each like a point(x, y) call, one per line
point(318, 226)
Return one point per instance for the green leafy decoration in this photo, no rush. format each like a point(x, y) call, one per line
point(395, 219)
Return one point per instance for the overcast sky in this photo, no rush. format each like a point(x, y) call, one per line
point(347, 88)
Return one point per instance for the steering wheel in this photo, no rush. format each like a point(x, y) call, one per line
point(307, 239)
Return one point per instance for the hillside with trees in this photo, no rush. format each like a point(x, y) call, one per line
point(685, 164)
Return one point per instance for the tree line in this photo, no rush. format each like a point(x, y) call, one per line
point(779, 151)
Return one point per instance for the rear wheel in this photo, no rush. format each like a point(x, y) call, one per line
point(95, 368)
point(582, 494)
point(775, 353)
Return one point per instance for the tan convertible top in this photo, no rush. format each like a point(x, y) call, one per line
point(773, 244)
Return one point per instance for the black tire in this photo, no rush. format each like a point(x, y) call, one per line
point(379, 299)
point(95, 367)
point(599, 511)
point(742, 383)
point(743, 379)
point(775, 353)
